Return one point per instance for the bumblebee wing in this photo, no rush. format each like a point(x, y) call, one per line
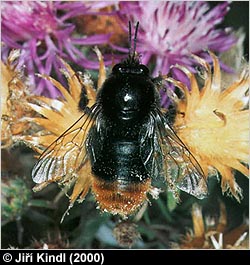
point(150, 150)
point(181, 168)
point(66, 154)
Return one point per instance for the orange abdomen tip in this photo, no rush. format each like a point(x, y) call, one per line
point(120, 197)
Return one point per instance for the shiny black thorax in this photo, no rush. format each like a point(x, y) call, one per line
point(126, 98)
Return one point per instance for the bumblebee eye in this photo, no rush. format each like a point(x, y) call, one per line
point(118, 68)
point(143, 69)
point(138, 69)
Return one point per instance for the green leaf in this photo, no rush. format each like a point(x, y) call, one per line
point(171, 201)
point(146, 231)
point(41, 204)
point(164, 210)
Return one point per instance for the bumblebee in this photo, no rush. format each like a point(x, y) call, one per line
point(122, 144)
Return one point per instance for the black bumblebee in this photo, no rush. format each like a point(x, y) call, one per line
point(125, 143)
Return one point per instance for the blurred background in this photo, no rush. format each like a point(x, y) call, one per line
point(32, 220)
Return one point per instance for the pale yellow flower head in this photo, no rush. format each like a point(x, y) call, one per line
point(214, 123)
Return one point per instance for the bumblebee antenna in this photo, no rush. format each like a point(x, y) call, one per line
point(135, 37)
point(130, 38)
point(132, 51)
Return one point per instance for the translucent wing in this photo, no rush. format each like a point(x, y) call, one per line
point(173, 160)
point(66, 155)
point(182, 166)
point(150, 150)
point(182, 169)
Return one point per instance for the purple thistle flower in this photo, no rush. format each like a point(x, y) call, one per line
point(42, 31)
point(170, 31)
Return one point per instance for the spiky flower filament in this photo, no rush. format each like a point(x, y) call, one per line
point(214, 123)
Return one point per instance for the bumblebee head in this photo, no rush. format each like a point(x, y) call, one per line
point(131, 65)
point(128, 94)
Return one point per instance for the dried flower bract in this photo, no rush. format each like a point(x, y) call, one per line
point(209, 234)
point(214, 123)
point(55, 116)
point(14, 94)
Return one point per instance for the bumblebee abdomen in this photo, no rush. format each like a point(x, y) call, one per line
point(121, 161)
point(120, 179)
point(120, 197)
